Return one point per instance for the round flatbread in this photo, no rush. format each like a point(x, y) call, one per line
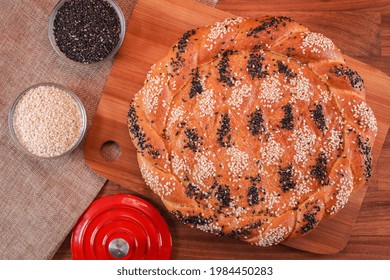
point(254, 129)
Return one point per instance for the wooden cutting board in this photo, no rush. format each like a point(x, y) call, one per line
point(154, 26)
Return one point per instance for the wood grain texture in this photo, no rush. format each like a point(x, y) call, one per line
point(345, 22)
point(372, 243)
point(245, 7)
point(144, 45)
point(339, 7)
point(385, 35)
point(363, 244)
point(345, 28)
point(242, 6)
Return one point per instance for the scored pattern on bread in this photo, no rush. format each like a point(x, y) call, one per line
point(254, 129)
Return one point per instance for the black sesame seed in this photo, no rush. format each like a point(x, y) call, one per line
point(183, 41)
point(136, 130)
point(270, 22)
point(86, 31)
point(243, 231)
point(224, 138)
point(365, 150)
point(317, 208)
point(255, 124)
point(319, 171)
point(196, 86)
point(310, 222)
point(286, 181)
point(318, 116)
point(283, 68)
point(353, 76)
point(193, 140)
point(223, 68)
point(256, 48)
point(177, 63)
point(255, 66)
point(154, 153)
point(222, 194)
point(288, 120)
point(253, 195)
point(254, 180)
point(192, 219)
point(193, 191)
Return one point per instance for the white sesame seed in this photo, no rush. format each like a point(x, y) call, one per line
point(300, 88)
point(203, 169)
point(270, 90)
point(152, 180)
point(270, 199)
point(239, 91)
point(332, 142)
point(324, 95)
point(304, 141)
point(47, 121)
point(178, 164)
point(219, 29)
point(316, 42)
point(343, 193)
point(151, 91)
point(271, 152)
point(366, 116)
point(273, 236)
point(209, 227)
point(175, 115)
point(238, 161)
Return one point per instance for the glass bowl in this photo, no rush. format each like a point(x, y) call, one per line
point(14, 136)
point(63, 56)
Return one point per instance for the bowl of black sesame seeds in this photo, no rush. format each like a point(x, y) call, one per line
point(47, 121)
point(86, 31)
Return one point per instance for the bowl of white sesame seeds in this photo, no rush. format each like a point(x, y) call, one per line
point(47, 121)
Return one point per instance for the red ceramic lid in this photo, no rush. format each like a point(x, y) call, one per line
point(123, 227)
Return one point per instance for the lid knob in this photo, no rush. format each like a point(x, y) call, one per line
point(118, 248)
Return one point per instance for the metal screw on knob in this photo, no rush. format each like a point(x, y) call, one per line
point(118, 248)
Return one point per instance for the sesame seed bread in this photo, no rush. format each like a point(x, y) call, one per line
point(254, 129)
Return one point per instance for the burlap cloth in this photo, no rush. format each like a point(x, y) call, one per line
point(41, 200)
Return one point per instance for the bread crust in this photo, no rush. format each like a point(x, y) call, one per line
point(254, 129)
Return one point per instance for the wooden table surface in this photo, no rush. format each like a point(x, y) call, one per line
point(370, 237)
